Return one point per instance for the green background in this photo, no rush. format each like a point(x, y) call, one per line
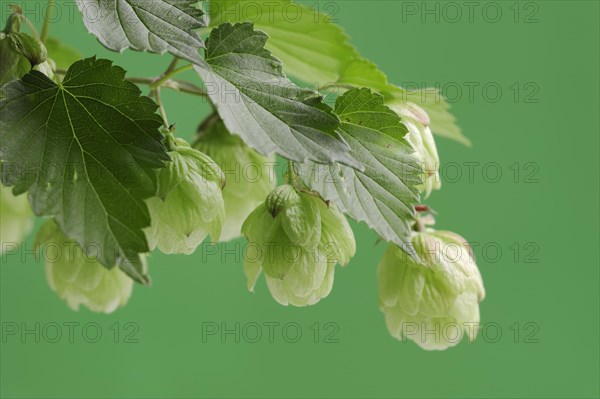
point(556, 216)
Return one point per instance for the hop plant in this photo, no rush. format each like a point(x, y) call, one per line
point(251, 181)
point(296, 239)
point(20, 51)
point(189, 203)
point(435, 302)
point(16, 218)
point(79, 279)
point(421, 138)
point(97, 156)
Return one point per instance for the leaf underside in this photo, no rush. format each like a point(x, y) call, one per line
point(85, 151)
point(157, 26)
point(311, 47)
point(257, 101)
point(384, 194)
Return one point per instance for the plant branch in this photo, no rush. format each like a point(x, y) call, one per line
point(46, 26)
point(292, 177)
point(161, 108)
point(168, 75)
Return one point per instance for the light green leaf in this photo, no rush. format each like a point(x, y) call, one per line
point(62, 54)
point(311, 47)
point(443, 123)
point(363, 73)
point(85, 150)
point(257, 102)
point(157, 26)
point(384, 194)
point(360, 72)
point(316, 51)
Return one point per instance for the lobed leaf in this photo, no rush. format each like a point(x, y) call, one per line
point(157, 26)
point(85, 151)
point(385, 193)
point(261, 105)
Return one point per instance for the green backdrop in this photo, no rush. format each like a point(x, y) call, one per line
point(536, 226)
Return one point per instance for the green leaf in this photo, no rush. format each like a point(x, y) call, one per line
point(443, 123)
point(316, 51)
point(62, 54)
point(312, 48)
point(384, 194)
point(363, 73)
point(156, 26)
point(360, 72)
point(257, 102)
point(85, 150)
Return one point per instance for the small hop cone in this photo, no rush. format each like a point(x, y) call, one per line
point(79, 279)
point(250, 178)
point(189, 203)
point(421, 138)
point(434, 303)
point(16, 219)
point(19, 52)
point(296, 239)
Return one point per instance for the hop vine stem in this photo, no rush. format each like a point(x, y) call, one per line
point(46, 26)
point(176, 85)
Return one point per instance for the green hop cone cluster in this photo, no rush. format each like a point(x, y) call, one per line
point(188, 205)
point(421, 138)
point(19, 52)
point(296, 239)
point(251, 176)
point(433, 303)
point(79, 279)
point(16, 219)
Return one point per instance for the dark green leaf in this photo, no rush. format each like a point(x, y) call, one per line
point(85, 150)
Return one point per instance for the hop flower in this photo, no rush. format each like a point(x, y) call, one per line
point(189, 203)
point(421, 138)
point(253, 176)
point(20, 52)
point(16, 219)
point(79, 279)
point(296, 239)
point(432, 303)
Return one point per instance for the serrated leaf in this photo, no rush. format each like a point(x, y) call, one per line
point(311, 47)
point(85, 150)
point(363, 73)
point(257, 101)
point(443, 123)
point(360, 72)
point(156, 26)
point(384, 195)
point(62, 54)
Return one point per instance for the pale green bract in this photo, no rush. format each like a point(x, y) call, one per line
point(296, 239)
point(188, 205)
point(421, 138)
point(16, 219)
point(250, 176)
point(79, 279)
point(434, 303)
